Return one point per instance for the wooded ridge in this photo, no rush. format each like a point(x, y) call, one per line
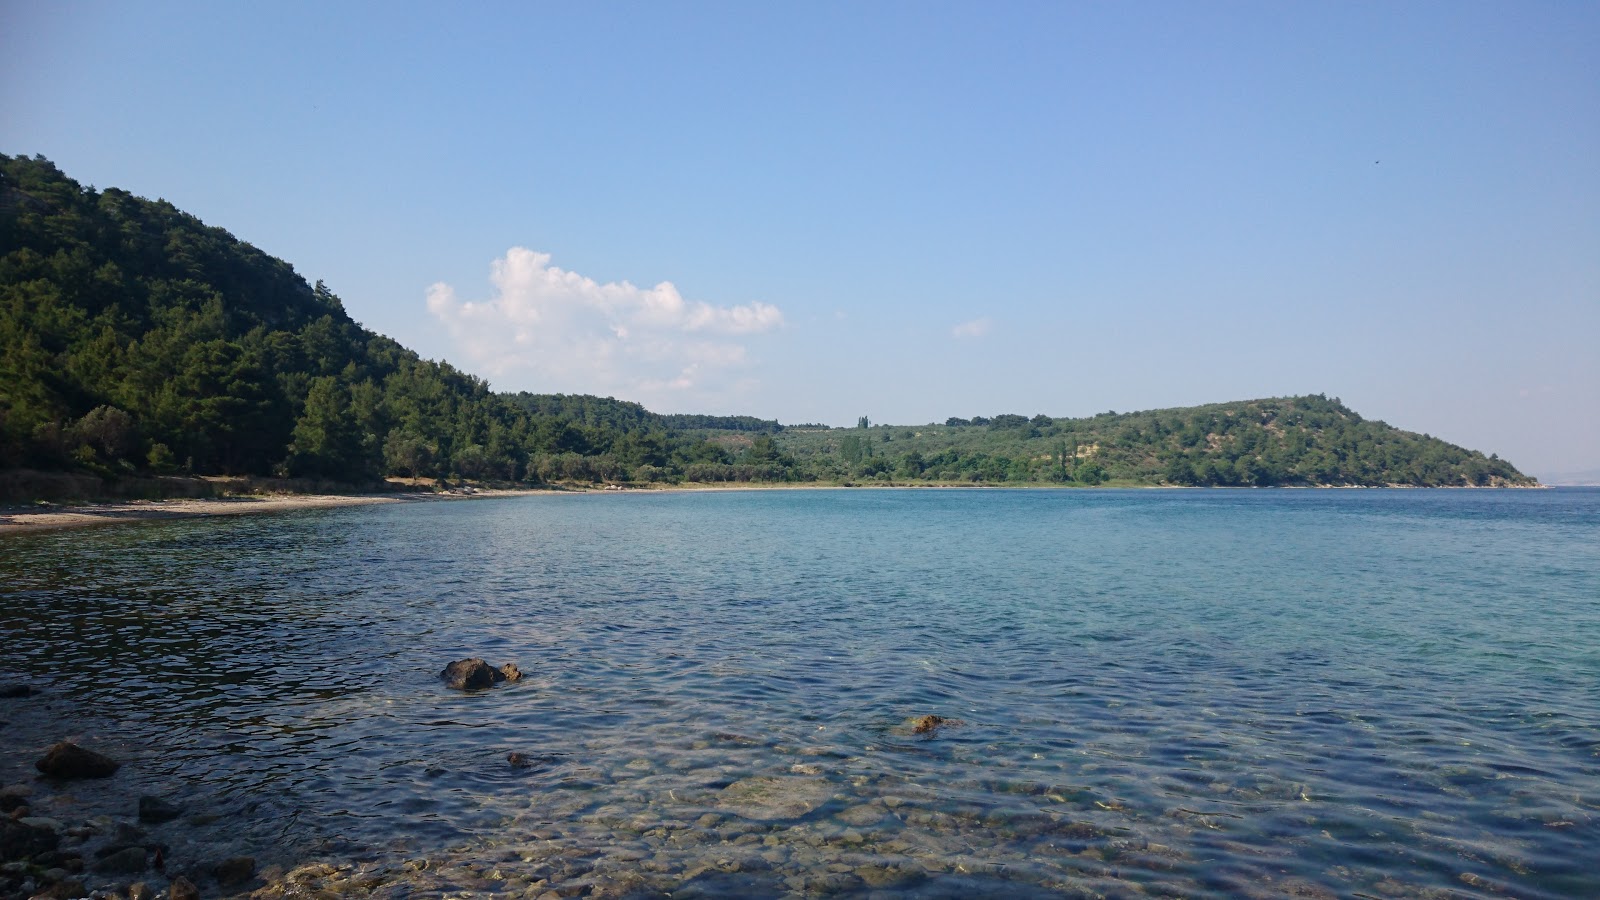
point(135, 339)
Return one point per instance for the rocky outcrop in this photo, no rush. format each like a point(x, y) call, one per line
point(474, 674)
point(68, 760)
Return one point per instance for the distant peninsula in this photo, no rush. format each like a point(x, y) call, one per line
point(137, 343)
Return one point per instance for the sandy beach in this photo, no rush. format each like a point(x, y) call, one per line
point(21, 519)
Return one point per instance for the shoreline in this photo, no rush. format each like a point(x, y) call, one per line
point(33, 519)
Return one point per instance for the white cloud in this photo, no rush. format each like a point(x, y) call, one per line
point(565, 332)
point(975, 328)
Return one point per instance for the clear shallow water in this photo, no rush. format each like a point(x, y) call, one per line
point(1225, 693)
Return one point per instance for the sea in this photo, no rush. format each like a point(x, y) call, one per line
point(852, 692)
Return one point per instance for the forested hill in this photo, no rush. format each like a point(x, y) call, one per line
point(1298, 441)
point(623, 415)
point(134, 339)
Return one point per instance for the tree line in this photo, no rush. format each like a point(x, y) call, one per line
point(135, 338)
point(1288, 441)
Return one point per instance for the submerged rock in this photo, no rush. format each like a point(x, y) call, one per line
point(15, 691)
point(155, 810)
point(771, 797)
point(183, 889)
point(64, 889)
point(129, 861)
point(475, 674)
point(68, 760)
point(236, 871)
point(931, 724)
point(12, 797)
point(19, 840)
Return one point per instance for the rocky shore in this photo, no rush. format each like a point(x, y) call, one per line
point(688, 822)
point(817, 825)
point(47, 856)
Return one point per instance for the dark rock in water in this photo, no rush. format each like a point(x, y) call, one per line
point(470, 674)
point(67, 860)
point(183, 889)
point(519, 760)
point(155, 810)
point(68, 760)
point(931, 724)
point(14, 691)
point(140, 891)
point(19, 841)
point(63, 890)
point(475, 674)
point(236, 871)
point(128, 861)
point(8, 802)
point(116, 847)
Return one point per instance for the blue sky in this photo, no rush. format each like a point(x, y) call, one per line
point(817, 211)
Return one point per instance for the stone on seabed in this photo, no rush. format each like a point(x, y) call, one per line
point(20, 840)
point(68, 760)
point(235, 871)
point(156, 810)
point(129, 860)
point(475, 674)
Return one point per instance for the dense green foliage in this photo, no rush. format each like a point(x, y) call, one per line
point(135, 338)
point(1282, 441)
point(623, 415)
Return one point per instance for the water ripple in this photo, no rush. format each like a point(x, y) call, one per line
point(1193, 693)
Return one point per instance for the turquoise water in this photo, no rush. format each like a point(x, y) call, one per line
point(1187, 693)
